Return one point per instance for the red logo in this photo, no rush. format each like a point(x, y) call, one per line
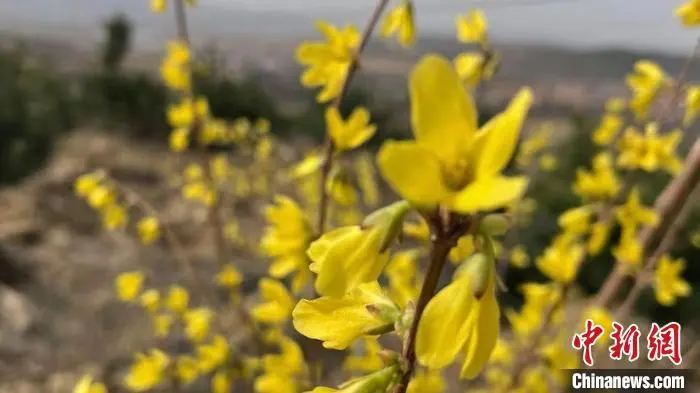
point(587, 339)
point(665, 342)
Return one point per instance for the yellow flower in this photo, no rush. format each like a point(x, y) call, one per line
point(576, 221)
point(562, 358)
point(650, 151)
point(519, 257)
point(87, 385)
point(347, 135)
point(101, 197)
point(452, 162)
point(286, 239)
point(464, 248)
point(645, 82)
point(369, 361)
point(129, 285)
point(221, 382)
point(339, 321)
point(378, 381)
point(629, 250)
point(178, 299)
point(328, 62)
point(462, 316)
point(538, 298)
point(184, 113)
point(609, 126)
point(162, 324)
point(278, 302)
point(197, 323)
point(289, 362)
point(417, 230)
point(340, 188)
point(276, 383)
point(175, 68)
point(471, 28)
point(211, 356)
point(149, 230)
point(186, 369)
point(668, 281)
point(472, 67)
point(349, 256)
point(147, 372)
point(561, 260)
point(311, 163)
point(85, 184)
point(600, 232)
point(689, 13)
point(159, 6)
point(427, 382)
point(229, 277)
point(150, 300)
point(633, 213)
point(179, 139)
point(400, 21)
point(600, 183)
point(114, 217)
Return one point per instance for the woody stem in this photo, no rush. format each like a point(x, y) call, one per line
point(443, 241)
point(329, 149)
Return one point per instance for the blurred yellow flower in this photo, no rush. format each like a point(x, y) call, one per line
point(178, 299)
point(197, 323)
point(351, 133)
point(689, 13)
point(472, 27)
point(150, 300)
point(399, 21)
point(147, 372)
point(278, 302)
point(669, 284)
point(128, 285)
point(87, 385)
point(328, 62)
point(148, 229)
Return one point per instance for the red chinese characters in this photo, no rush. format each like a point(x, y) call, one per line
point(587, 339)
point(663, 342)
point(625, 342)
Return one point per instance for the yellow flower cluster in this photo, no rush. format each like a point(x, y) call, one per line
point(102, 197)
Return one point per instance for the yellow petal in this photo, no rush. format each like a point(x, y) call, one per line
point(442, 113)
point(483, 338)
point(440, 335)
point(488, 194)
point(421, 182)
point(502, 133)
point(337, 321)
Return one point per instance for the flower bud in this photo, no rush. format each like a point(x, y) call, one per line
point(494, 224)
point(389, 220)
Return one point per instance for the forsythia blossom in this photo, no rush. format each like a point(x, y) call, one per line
point(453, 162)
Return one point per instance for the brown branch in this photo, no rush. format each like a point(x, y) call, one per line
point(443, 241)
point(667, 205)
point(329, 149)
point(643, 277)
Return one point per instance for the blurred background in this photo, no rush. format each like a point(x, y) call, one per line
point(79, 89)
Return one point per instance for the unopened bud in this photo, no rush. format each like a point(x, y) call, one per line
point(494, 224)
point(388, 219)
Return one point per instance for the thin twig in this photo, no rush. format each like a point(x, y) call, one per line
point(667, 204)
point(443, 241)
point(329, 149)
point(214, 213)
point(643, 277)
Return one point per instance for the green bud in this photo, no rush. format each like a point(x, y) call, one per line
point(372, 383)
point(494, 224)
point(386, 312)
point(479, 269)
point(389, 220)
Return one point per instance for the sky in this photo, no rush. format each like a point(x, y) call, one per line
point(634, 24)
point(640, 24)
